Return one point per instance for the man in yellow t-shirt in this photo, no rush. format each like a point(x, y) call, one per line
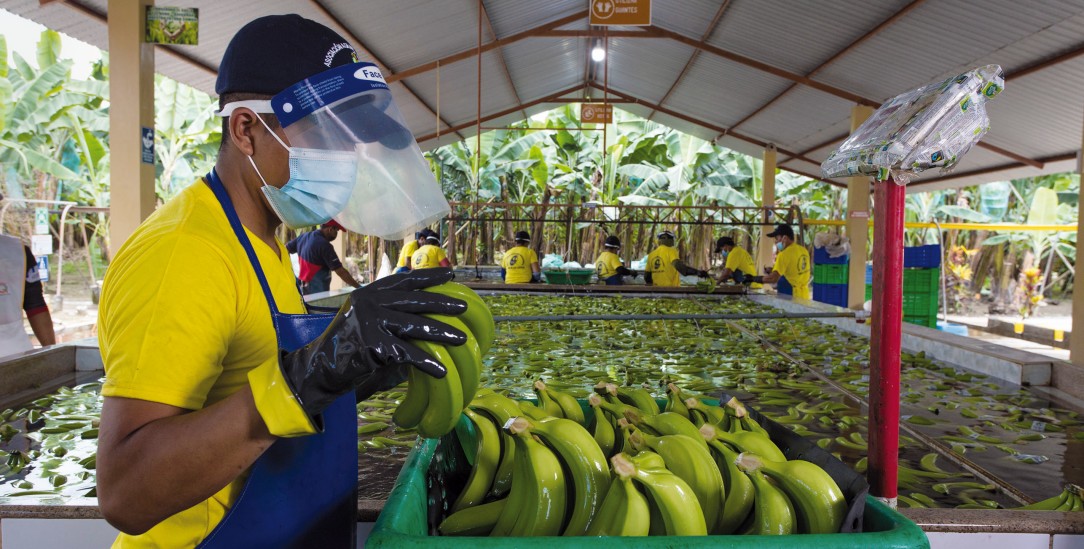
point(520, 264)
point(407, 253)
point(196, 389)
point(664, 268)
point(609, 266)
point(430, 255)
point(791, 271)
point(737, 263)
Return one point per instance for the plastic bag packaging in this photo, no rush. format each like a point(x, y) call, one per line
point(552, 261)
point(639, 264)
point(589, 266)
point(929, 127)
point(571, 265)
point(834, 245)
point(385, 267)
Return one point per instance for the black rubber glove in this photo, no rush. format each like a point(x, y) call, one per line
point(753, 280)
point(702, 274)
point(365, 348)
point(536, 278)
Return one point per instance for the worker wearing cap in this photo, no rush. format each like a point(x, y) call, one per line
point(229, 415)
point(318, 259)
point(791, 271)
point(609, 266)
point(663, 266)
point(430, 255)
point(520, 264)
point(21, 292)
point(405, 255)
point(737, 263)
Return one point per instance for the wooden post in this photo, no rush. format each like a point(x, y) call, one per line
point(131, 92)
point(764, 251)
point(857, 222)
point(1076, 337)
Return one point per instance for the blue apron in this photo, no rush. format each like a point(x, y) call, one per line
point(783, 286)
point(302, 492)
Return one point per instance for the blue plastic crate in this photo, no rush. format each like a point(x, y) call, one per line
point(922, 257)
point(832, 294)
point(820, 257)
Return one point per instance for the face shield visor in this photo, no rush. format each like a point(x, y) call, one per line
point(350, 109)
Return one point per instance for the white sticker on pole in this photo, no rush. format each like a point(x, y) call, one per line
point(41, 244)
point(41, 220)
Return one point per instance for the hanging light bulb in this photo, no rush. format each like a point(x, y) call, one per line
point(598, 53)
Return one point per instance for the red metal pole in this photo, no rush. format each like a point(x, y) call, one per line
point(885, 335)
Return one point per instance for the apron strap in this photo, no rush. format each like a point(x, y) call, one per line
point(235, 223)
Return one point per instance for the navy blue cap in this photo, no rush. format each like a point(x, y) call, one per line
point(272, 53)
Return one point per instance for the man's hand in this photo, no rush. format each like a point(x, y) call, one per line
point(366, 348)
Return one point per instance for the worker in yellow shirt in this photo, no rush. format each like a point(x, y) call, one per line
point(791, 271)
point(405, 255)
point(737, 263)
point(430, 255)
point(520, 264)
point(663, 266)
point(222, 393)
point(609, 266)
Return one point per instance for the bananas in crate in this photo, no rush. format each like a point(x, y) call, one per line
point(633, 469)
point(432, 406)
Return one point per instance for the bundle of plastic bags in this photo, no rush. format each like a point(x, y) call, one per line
point(552, 261)
point(929, 127)
point(834, 245)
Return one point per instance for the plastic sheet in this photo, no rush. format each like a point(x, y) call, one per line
point(929, 127)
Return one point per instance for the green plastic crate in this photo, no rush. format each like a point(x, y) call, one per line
point(921, 281)
point(830, 274)
point(404, 521)
point(929, 321)
point(916, 304)
point(571, 276)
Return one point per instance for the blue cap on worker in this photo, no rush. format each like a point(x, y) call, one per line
point(272, 53)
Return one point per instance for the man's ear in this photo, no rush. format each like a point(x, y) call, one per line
point(242, 126)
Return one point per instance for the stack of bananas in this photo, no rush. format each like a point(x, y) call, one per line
point(431, 405)
point(632, 469)
point(1071, 498)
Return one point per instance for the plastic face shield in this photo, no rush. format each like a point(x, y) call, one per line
point(349, 108)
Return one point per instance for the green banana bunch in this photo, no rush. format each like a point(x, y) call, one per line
point(486, 460)
point(1071, 498)
point(537, 413)
point(537, 502)
point(818, 503)
point(583, 461)
point(690, 460)
point(559, 403)
point(773, 513)
point(666, 423)
point(602, 430)
point(500, 409)
point(672, 498)
point(432, 406)
point(632, 396)
point(701, 413)
point(473, 521)
point(675, 401)
point(613, 408)
point(745, 441)
point(739, 489)
point(744, 423)
point(624, 511)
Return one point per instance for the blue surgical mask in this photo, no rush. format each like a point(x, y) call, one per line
point(319, 187)
point(779, 246)
point(725, 254)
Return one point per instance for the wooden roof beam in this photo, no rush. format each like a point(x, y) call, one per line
point(696, 53)
point(383, 66)
point(900, 14)
point(546, 99)
point(498, 43)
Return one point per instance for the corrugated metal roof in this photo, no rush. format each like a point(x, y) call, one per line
point(755, 52)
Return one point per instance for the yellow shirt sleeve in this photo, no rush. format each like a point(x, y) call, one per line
point(406, 253)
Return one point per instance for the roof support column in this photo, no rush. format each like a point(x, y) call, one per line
point(1076, 337)
point(764, 252)
point(857, 222)
point(131, 94)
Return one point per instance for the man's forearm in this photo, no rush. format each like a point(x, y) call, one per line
point(346, 277)
point(150, 472)
point(42, 325)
